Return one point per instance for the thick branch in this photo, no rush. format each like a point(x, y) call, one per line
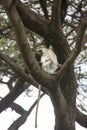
point(75, 51)
point(15, 92)
point(42, 77)
point(41, 26)
point(20, 71)
point(17, 69)
point(64, 5)
point(32, 20)
point(56, 18)
point(60, 109)
point(17, 108)
point(81, 118)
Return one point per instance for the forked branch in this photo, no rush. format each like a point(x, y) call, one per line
point(75, 52)
point(28, 56)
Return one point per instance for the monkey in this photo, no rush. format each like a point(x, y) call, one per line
point(47, 59)
point(48, 62)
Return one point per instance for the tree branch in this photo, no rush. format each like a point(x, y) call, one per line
point(64, 5)
point(81, 118)
point(15, 92)
point(44, 8)
point(60, 109)
point(40, 76)
point(11, 80)
point(56, 18)
point(21, 120)
point(18, 69)
point(75, 51)
point(27, 77)
point(17, 108)
point(41, 26)
point(32, 20)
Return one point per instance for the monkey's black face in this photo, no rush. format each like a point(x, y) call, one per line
point(38, 55)
point(47, 59)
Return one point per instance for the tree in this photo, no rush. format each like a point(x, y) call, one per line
point(67, 37)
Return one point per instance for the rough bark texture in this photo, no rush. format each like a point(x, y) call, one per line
point(62, 86)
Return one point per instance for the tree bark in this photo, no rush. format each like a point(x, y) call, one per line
point(63, 92)
point(64, 104)
point(81, 118)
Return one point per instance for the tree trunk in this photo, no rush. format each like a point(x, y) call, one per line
point(64, 110)
point(68, 86)
point(62, 93)
point(64, 101)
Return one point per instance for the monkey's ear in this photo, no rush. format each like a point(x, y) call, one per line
point(43, 46)
point(50, 47)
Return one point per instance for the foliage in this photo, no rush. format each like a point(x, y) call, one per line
point(62, 24)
